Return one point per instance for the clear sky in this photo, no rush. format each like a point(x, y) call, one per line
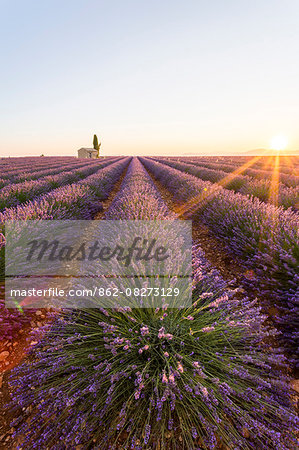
point(148, 76)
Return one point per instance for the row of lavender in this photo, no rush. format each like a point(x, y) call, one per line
point(14, 194)
point(33, 165)
point(264, 235)
point(33, 172)
point(265, 190)
point(23, 160)
point(18, 175)
point(286, 179)
point(76, 201)
point(259, 161)
point(17, 163)
point(259, 164)
point(7, 165)
point(166, 378)
point(145, 205)
point(288, 164)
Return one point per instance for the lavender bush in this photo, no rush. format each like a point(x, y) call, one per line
point(198, 377)
point(74, 201)
point(77, 200)
point(262, 188)
point(288, 170)
point(128, 207)
point(16, 193)
point(264, 235)
point(32, 168)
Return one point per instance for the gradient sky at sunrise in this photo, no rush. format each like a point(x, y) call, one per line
point(155, 77)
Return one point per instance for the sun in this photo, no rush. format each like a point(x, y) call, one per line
point(279, 142)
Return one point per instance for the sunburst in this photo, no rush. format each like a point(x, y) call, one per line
point(279, 142)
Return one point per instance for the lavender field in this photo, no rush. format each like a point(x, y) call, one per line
point(219, 374)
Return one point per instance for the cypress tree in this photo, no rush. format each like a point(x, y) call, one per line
point(96, 144)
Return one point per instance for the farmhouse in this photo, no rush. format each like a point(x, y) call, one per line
point(87, 153)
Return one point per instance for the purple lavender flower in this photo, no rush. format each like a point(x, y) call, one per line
point(123, 391)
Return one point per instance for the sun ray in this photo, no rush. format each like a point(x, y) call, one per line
point(267, 162)
point(290, 163)
point(274, 187)
point(204, 197)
